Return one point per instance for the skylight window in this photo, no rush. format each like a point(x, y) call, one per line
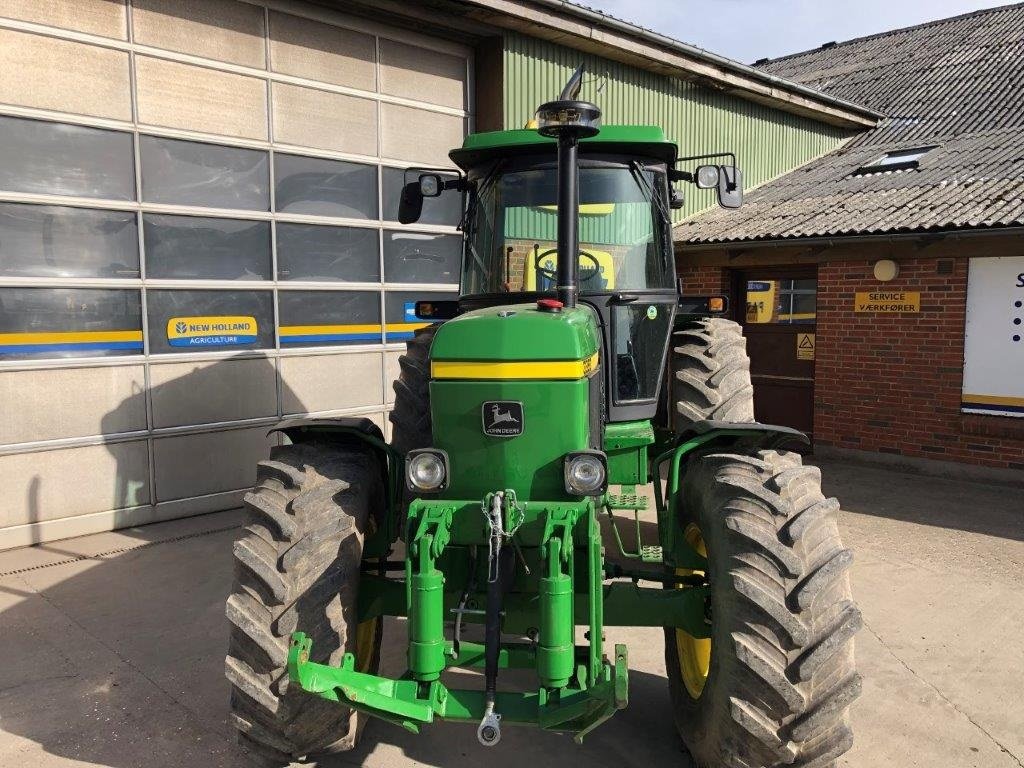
point(899, 160)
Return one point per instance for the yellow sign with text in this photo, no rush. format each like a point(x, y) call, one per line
point(219, 331)
point(887, 301)
point(805, 346)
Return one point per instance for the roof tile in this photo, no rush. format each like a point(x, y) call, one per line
point(956, 84)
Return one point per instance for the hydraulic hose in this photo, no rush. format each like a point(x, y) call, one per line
point(492, 628)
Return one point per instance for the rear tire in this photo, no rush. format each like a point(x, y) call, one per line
point(781, 674)
point(711, 373)
point(297, 567)
point(410, 419)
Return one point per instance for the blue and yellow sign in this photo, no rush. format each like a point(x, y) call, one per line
point(355, 333)
point(368, 333)
point(222, 331)
point(68, 341)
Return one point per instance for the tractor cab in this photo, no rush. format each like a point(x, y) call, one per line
point(624, 272)
point(624, 265)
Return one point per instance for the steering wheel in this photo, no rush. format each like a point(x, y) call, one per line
point(552, 275)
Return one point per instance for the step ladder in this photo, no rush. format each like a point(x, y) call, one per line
point(628, 500)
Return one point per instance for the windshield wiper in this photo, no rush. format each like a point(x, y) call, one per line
point(655, 199)
point(469, 216)
point(468, 225)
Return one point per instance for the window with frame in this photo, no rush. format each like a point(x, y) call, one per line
point(69, 322)
point(781, 301)
point(209, 320)
point(61, 241)
point(328, 318)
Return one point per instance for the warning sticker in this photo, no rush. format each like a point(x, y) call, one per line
point(211, 331)
point(805, 346)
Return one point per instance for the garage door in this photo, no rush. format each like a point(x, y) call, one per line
point(198, 238)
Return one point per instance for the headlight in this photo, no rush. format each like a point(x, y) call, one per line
point(706, 177)
point(586, 473)
point(426, 470)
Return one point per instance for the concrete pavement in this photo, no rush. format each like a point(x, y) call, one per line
point(112, 646)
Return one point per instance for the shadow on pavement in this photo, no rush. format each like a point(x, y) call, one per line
point(116, 658)
point(985, 508)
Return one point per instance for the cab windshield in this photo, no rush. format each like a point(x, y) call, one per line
point(512, 229)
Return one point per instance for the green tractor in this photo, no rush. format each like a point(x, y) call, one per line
point(527, 414)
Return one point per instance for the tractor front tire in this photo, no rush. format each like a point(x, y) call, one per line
point(297, 567)
point(710, 373)
point(774, 684)
point(410, 419)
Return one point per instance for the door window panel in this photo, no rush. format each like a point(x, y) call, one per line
point(419, 257)
point(69, 322)
point(329, 318)
point(206, 175)
point(58, 241)
point(315, 186)
point(40, 157)
point(205, 248)
point(639, 334)
point(204, 321)
point(318, 252)
point(781, 301)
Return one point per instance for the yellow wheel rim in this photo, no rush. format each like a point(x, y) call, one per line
point(366, 639)
point(694, 653)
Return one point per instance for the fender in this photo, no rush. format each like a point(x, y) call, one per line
point(350, 430)
point(725, 435)
point(700, 438)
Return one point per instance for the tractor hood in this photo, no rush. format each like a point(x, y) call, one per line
point(517, 333)
point(512, 391)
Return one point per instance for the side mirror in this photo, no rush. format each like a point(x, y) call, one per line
point(675, 199)
point(730, 186)
point(410, 207)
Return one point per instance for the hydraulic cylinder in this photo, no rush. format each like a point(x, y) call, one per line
point(555, 641)
point(426, 623)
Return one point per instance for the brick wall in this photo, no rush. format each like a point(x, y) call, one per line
point(700, 280)
point(892, 382)
point(889, 382)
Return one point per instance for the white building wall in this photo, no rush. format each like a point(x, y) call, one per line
point(163, 159)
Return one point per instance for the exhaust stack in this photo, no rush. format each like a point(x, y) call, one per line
point(568, 120)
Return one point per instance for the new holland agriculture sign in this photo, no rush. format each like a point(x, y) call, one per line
point(221, 331)
point(994, 337)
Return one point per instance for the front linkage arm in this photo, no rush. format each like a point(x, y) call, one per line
point(580, 688)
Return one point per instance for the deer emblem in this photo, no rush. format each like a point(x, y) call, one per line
point(499, 417)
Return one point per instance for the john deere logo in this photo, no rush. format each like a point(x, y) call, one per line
point(502, 418)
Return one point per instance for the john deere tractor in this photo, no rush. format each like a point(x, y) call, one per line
point(568, 375)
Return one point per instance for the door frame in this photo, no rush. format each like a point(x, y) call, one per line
point(738, 278)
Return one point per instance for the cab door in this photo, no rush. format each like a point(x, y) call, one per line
point(777, 309)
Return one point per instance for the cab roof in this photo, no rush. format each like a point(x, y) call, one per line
point(647, 140)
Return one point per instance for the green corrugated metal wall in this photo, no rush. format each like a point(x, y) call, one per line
point(767, 141)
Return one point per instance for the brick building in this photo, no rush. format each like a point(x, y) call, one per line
point(893, 266)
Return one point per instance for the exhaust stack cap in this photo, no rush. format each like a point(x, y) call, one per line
point(579, 119)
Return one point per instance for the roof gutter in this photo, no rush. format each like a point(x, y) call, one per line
point(682, 247)
point(730, 75)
